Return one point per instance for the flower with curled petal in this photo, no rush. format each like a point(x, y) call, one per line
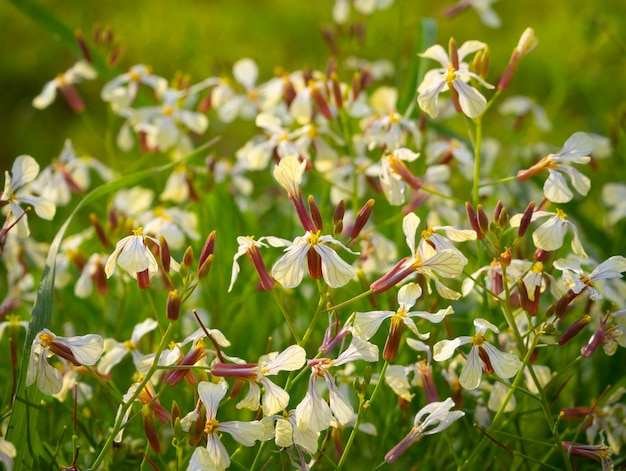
point(323, 261)
point(452, 76)
point(482, 356)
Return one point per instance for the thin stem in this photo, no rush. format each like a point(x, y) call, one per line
point(498, 182)
point(363, 407)
point(477, 144)
point(318, 313)
point(286, 316)
point(118, 423)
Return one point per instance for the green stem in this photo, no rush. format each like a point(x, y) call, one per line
point(498, 182)
point(316, 316)
point(118, 423)
point(363, 407)
point(286, 316)
point(477, 145)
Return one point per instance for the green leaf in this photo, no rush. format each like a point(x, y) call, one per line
point(22, 429)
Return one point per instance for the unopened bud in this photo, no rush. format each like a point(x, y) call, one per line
point(505, 258)
point(483, 220)
point(453, 53)
point(337, 96)
point(80, 39)
point(315, 214)
point(320, 101)
point(473, 220)
point(498, 210)
point(164, 253)
point(362, 218)
point(503, 219)
point(526, 219)
point(340, 211)
point(173, 305)
point(574, 329)
point(150, 429)
point(188, 257)
point(206, 256)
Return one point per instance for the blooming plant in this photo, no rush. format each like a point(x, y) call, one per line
point(413, 296)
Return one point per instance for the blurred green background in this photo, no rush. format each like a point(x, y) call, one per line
point(577, 72)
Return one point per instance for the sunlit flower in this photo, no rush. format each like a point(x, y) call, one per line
point(287, 434)
point(578, 279)
point(366, 324)
point(133, 255)
point(576, 150)
point(431, 419)
point(549, 236)
point(315, 413)
point(394, 174)
point(487, 15)
point(174, 224)
point(116, 351)
point(275, 398)
point(250, 247)
point(92, 272)
point(453, 75)
point(17, 192)
point(81, 350)
point(65, 83)
point(441, 151)
point(323, 261)
point(483, 355)
point(215, 456)
point(424, 259)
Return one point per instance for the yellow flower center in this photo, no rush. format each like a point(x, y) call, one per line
point(560, 214)
point(537, 267)
point(477, 340)
point(138, 231)
point(46, 339)
point(211, 426)
point(168, 110)
point(450, 74)
point(395, 117)
point(314, 238)
point(428, 233)
point(130, 345)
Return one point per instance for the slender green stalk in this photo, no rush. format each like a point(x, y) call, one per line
point(286, 316)
point(118, 423)
point(363, 407)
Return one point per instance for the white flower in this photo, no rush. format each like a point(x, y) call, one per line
point(116, 351)
point(577, 279)
point(439, 417)
point(314, 413)
point(16, 192)
point(250, 247)
point(472, 103)
point(394, 174)
point(366, 324)
point(289, 269)
point(576, 150)
point(82, 350)
point(75, 74)
point(246, 433)
point(132, 254)
point(275, 398)
point(521, 106)
point(549, 236)
point(429, 261)
point(482, 355)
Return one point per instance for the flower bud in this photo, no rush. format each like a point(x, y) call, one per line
point(315, 214)
point(104, 240)
point(362, 218)
point(483, 220)
point(321, 102)
point(574, 329)
point(150, 429)
point(473, 220)
point(164, 253)
point(505, 258)
point(80, 39)
point(173, 305)
point(206, 256)
point(526, 219)
point(338, 217)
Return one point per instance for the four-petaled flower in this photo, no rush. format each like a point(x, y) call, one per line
point(323, 261)
point(576, 150)
point(82, 350)
point(215, 455)
point(577, 279)
point(453, 76)
point(483, 355)
point(431, 419)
